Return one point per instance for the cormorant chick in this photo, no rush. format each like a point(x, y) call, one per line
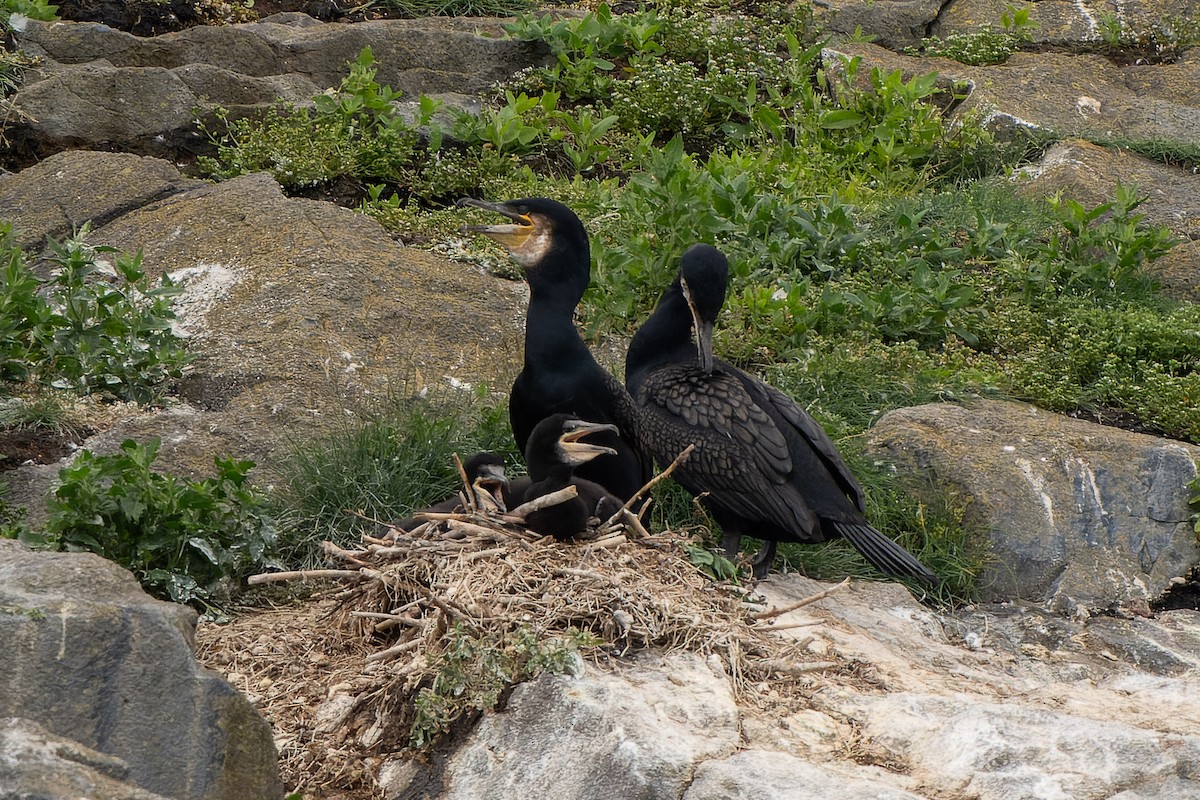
point(560, 375)
point(555, 450)
point(484, 471)
point(765, 467)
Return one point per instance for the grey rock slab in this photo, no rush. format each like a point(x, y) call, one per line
point(1075, 513)
point(1065, 22)
point(637, 735)
point(91, 657)
point(35, 763)
point(1070, 95)
point(764, 775)
point(893, 23)
point(57, 196)
point(1005, 751)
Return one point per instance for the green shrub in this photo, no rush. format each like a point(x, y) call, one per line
point(89, 328)
point(186, 540)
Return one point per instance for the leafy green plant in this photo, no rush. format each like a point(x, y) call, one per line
point(34, 9)
point(988, 45)
point(186, 540)
point(354, 130)
point(713, 563)
point(98, 328)
point(1103, 248)
point(514, 127)
point(473, 671)
point(415, 9)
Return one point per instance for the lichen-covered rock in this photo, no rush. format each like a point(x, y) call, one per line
point(36, 763)
point(1075, 513)
point(91, 657)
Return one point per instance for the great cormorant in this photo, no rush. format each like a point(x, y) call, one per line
point(555, 450)
point(483, 470)
point(763, 466)
point(551, 246)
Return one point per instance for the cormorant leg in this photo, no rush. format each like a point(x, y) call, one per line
point(731, 541)
point(765, 559)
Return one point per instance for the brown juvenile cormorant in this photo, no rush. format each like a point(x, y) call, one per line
point(560, 375)
point(555, 450)
point(483, 470)
point(765, 467)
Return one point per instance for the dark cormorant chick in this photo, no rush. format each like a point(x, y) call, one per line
point(550, 244)
point(483, 470)
point(555, 450)
point(765, 467)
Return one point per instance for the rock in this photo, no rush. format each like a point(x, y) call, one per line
point(300, 313)
point(1063, 22)
point(1000, 751)
point(893, 23)
point(1075, 513)
point(101, 87)
point(1069, 95)
point(36, 763)
point(90, 657)
point(635, 737)
point(761, 775)
point(1088, 174)
point(58, 196)
point(999, 701)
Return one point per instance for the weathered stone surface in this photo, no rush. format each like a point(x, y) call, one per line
point(1076, 513)
point(300, 312)
point(101, 87)
point(893, 23)
point(56, 197)
point(638, 736)
point(1063, 22)
point(1002, 751)
point(35, 763)
point(1089, 174)
point(1070, 95)
point(91, 657)
point(762, 775)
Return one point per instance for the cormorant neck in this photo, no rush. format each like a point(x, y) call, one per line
point(666, 337)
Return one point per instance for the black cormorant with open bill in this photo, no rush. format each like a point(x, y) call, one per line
point(551, 246)
point(762, 465)
point(555, 450)
point(483, 470)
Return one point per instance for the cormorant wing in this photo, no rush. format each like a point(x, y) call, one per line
point(773, 400)
point(741, 459)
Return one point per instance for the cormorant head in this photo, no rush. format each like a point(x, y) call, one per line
point(486, 470)
point(540, 228)
point(703, 274)
point(564, 434)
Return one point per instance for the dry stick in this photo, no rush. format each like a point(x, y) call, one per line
point(519, 513)
point(679, 459)
point(467, 496)
point(775, 612)
point(304, 574)
point(806, 624)
point(392, 652)
point(478, 554)
point(393, 618)
point(789, 668)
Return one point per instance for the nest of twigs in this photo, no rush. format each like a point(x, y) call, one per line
point(476, 589)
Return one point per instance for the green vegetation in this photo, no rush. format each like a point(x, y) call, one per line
point(880, 257)
point(473, 671)
point(187, 541)
point(988, 45)
point(34, 9)
point(90, 328)
point(382, 466)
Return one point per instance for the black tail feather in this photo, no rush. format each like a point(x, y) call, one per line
point(884, 554)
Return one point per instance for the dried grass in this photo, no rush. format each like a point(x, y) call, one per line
point(404, 600)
